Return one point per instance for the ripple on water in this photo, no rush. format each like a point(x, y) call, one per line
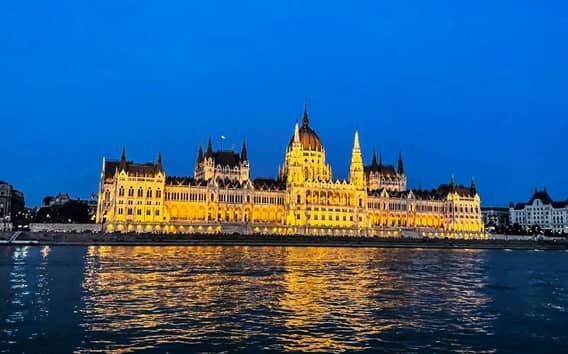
point(227, 299)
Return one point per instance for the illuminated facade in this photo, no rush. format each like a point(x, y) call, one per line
point(303, 198)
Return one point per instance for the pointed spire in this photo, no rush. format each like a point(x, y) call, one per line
point(244, 156)
point(400, 169)
point(472, 187)
point(199, 154)
point(374, 163)
point(159, 161)
point(356, 170)
point(305, 119)
point(452, 184)
point(209, 152)
point(380, 162)
point(356, 145)
point(296, 133)
point(122, 165)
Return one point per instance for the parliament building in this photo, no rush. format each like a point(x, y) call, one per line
point(304, 198)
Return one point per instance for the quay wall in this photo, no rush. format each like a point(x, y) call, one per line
point(41, 227)
point(152, 239)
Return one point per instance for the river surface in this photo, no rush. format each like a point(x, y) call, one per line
point(65, 299)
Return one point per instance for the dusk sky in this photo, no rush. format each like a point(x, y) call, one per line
point(465, 88)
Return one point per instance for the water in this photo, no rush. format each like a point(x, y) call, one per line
point(248, 299)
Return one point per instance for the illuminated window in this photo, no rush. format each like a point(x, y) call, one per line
point(157, 212)
point(121, 192)
point(149, 193)
point(158, 193)
point(140, 192)
point(131, 192)
point(138, 211)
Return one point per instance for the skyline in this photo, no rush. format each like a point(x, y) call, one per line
point(470, 91)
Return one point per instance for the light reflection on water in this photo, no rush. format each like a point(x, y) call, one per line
point(227, 299)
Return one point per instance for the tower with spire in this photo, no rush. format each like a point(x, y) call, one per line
point(356, 172)
point(383, 176)
point(225, 165)
point(400, 169)
point(159, 163)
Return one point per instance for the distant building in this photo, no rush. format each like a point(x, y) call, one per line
point(495, 217)
point(11, 205)
point(63, 209)
point(541, 211)
point(59, 199)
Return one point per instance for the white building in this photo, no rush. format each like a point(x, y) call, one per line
point(541, 211)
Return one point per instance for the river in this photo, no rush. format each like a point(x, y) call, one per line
point(281, 299)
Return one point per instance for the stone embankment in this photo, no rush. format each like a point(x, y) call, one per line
point(47, 238)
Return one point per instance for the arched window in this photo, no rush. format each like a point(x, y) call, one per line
point(158, 193)
point(149, 193)
point(121, 192)
point(140, 192)
point(299, 199)
point(131, 192)
point(107, 194)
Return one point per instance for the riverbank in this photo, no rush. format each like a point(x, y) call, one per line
point(87, 239)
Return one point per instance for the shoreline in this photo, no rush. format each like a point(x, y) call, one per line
point(89, 239)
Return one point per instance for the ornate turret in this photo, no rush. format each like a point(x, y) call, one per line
point(356, 173)
point(209, 152)
point(244, 156)
point(305, 118)
point(400, 169)
point(159, 163)
point(307, 136)
point(200, 155)
point(374, 163)
point(122, 165)
point(472, 187)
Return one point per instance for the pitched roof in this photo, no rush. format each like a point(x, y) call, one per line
point(131, 168)
point(226, 158)
point(385, 170)
point(463, 191)
point(545, 198)
point(269, 184)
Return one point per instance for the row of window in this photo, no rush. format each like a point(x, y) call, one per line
point(185, 196)
point(140, 193)
point(130, 211)
point(331, 217)
point(138, 202)
point(262, 199)
point(225, 198)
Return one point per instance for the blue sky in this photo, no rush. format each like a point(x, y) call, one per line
point(464, 88)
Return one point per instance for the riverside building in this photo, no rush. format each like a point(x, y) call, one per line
point(541, 211)
point(11, 206)
point(304, 198)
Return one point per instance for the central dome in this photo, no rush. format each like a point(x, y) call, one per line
point(308, 137)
